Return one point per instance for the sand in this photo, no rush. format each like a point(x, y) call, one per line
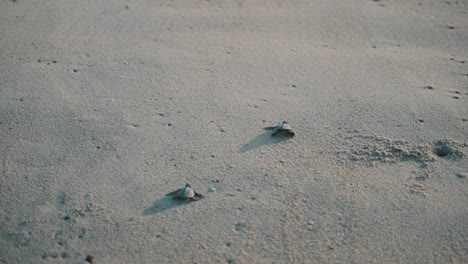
point(106, 106)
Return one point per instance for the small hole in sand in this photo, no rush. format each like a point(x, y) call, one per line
point(442, 151)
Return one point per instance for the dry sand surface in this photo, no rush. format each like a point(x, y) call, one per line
point(106, 106)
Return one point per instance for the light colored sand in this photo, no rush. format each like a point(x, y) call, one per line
point(87, 157)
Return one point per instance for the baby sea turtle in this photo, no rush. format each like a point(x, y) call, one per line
point(283, 129)
point(186, 193)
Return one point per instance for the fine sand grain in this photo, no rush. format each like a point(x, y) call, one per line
point(107, 106)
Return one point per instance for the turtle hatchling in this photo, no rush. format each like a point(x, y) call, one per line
point(186, 193)
point(283, 129)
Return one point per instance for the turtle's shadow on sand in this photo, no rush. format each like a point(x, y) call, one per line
point(163, 204)
point(261, 140)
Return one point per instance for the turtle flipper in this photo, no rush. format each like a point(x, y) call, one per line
point(270, 127)
point(173, 193)
point(283, 133)
point(195, 198)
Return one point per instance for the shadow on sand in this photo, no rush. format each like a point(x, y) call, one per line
point(261, 140)
point(163, 204)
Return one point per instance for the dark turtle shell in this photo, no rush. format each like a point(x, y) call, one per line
point(185, 193)
point(283, 129)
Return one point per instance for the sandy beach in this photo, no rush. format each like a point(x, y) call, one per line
point(107, 106)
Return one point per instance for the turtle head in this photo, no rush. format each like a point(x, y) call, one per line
point(188, 185)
